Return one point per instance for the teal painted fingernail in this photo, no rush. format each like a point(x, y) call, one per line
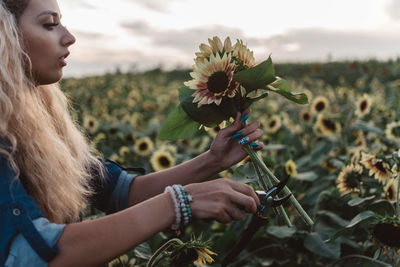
point(254, 144)
point(237, 135)
point(244, 117)
point(244, 140)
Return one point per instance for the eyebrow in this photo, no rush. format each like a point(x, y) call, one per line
point(48, 12)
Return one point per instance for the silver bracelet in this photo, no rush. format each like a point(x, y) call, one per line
point(177, 223)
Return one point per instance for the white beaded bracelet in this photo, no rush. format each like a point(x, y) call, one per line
point(177, 223)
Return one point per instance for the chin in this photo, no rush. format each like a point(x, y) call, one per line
point(49, 79)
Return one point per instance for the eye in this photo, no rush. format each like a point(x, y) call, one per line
point(50, 26)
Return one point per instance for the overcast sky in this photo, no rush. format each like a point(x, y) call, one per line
point(150, 33)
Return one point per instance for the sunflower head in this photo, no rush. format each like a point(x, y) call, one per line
point(325, 126)
point(243, 55)
point(90, 124)
point(363, 105)
point(305, 116)
point(387, 231)
point(392, 131)
point(161, 160)
point(377, 167)
point(291, 168)
point(320, 104)
point(144, 146)
point(273, 124)
point(390, 190)
point(213, 79)
point(349, 179)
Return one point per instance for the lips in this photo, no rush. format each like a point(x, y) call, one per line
point(62, 59)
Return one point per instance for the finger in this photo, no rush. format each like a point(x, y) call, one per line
point(251, 137)
point(236, 214)
point(248, 192)
point(250, 128)
point(233, 128)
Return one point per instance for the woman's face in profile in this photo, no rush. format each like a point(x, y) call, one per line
point(45, 39)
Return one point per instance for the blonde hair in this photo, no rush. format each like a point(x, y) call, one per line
point(41, 141)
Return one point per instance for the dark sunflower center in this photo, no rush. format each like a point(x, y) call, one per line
point(363, 105)
point(272, 124)
point(329, 124)
point(320, 106)
point(390, 193)
point(306, 117)
point(164, 161)
point(290, 170)
point(352, 180)
point(396, 131)
point(129, 137)
point(91, 123)
point(379, 165)
point(143, 146)
point(218, 82)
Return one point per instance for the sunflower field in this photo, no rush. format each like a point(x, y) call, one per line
point(341, 152)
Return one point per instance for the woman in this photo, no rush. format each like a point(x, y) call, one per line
point(48, 173)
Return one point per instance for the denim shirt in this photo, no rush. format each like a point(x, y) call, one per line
point(27, 238)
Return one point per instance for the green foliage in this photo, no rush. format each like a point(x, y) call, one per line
point(127, 107)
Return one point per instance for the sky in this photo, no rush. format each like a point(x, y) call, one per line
point(144, 34)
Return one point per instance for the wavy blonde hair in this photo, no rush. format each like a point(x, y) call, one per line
point(43, 144)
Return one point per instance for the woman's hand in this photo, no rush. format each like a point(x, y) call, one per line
point(226, 148)
point(223, 200)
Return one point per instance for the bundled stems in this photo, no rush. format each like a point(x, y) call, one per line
point(270, 176)
point(267, 183)
point(153, 260)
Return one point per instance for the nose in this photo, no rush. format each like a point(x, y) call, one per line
point(67, 39)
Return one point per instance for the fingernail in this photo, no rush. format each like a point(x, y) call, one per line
point(237, 135)
point(244, 117)
point(244, 140)
point(254, 144)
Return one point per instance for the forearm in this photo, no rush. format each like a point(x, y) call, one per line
point(195, 170)
point(91, 243)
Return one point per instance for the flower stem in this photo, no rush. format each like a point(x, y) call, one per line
point(254, 156)
point(268, 184)
point(162, 249)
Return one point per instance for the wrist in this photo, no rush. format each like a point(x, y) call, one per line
point(213, 162)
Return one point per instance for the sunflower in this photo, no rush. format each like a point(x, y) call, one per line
point(291, 168)
point(390, 190)
point(273, 124)
point(161, 160)
point(305, 116)
point(325, 126)
point(215, 47)
point(392, 131)
point(204, 256)
point(387, 231)
point(144, 146)
point(363, 105)
point(349, 179)
point(243, 54)
point(213, 79)
point(124, 151)
point(90, 124)
point(377, 167)
point(320, 104)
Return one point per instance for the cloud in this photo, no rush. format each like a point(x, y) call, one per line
point(78, 4)
point(90, 36)
point(161, 6)
point(393, 9)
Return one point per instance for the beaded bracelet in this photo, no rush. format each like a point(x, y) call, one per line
point(185, 207)
point(177, 223)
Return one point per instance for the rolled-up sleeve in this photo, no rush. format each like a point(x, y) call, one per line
point(112, 193)
point(21, 252)
point(19, 210)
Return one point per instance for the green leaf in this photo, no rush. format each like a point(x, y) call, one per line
point(284, 90)
point(359, 218)
point(357, 201)
point(360, 260)
point(257, 77)
point(314, 243)
point(334, 217)
point(143, 251)
point(178, 126)
point(367, 127)
point(281, 232)
point(245, 174)
point(382, 207)
point(210, 115)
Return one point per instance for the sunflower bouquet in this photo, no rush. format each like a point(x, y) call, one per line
point(226, 80)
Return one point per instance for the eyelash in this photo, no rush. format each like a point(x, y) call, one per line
point(50, 25)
